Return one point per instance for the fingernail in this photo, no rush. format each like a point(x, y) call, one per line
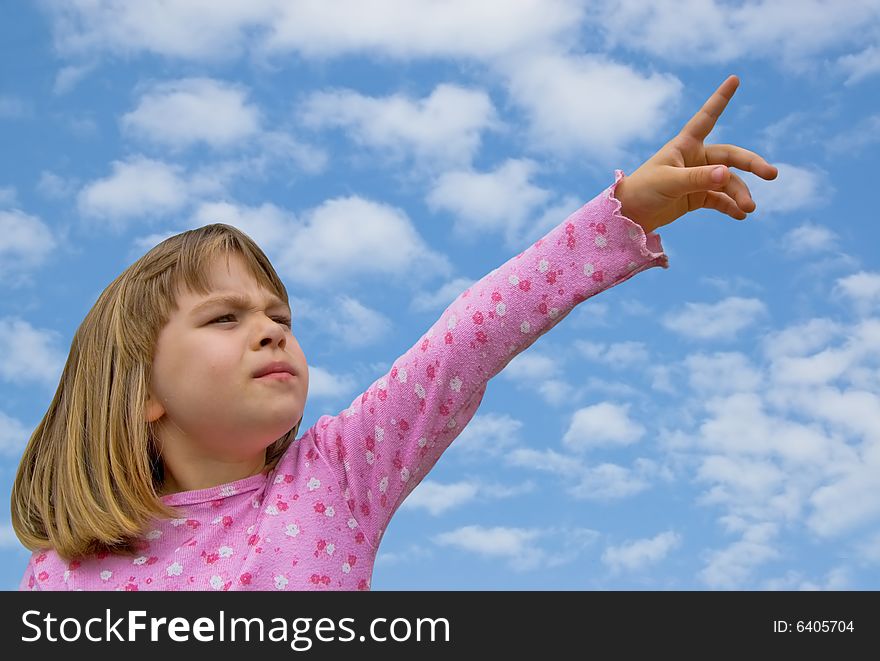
point(718, 174)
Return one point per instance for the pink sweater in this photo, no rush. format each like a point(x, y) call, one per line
point(316, 520)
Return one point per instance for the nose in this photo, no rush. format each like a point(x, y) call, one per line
point(271, 332)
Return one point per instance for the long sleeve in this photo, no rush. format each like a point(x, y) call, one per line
point(382, 446)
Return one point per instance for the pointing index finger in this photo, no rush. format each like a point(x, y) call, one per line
point(701, 124)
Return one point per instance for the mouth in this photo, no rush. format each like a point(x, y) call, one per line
point(275, 371)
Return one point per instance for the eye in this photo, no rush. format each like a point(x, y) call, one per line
point(284, 321)
point(223, 317)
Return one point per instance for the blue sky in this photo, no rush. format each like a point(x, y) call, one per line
point(715, 425)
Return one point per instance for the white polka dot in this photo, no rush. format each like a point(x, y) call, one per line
point(225, 551)
point(404, 474)
point(601, 241)
point(174, 569)
point(106, 574)
point(543, 266)
point(292, 530)
point(455, 384)
point(420, 391)
point(383, 484)
point(401, 375)
point(281, 582)
point(500, 309)
point(525, 327)
point(588, 269)
point(451, 322)
point(216, 582)
point(513, 280)
point(314, 483)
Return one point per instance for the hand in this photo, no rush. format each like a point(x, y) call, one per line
point(678, 178)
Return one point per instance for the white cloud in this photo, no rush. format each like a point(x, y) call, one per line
point(352, 323)
point(137, 187)
point(181, 113)
point(13, 436)
point(793, 189)
point(25, 241)
point(739, 374)
point(8, 196)
point(323, 383)
point(442, 130)
point(70, 76)
point(214, 29)
point(611, 482)
point(421, 28)
point(193, 29)
point(442, 298)
point(602, 425)
point(29, 354)
point(530, 367)
point(583, 105)
point(715, 321)
point(352, 237)
point(862, 288)
point(493, 434)
point(733, 566)
point(268, 225)
point(861, 65)
point(641, 553)
point(497, 201)
point(713, 31)
point(519, 546)
point(437, 498)
point(53, 186)
point(809, 238)
point(616, 355)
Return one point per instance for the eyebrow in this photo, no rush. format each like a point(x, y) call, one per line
point(236, 301)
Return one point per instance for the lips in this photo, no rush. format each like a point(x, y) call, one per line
point(274, 368)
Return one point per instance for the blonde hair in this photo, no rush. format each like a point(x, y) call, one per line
point(90, 476)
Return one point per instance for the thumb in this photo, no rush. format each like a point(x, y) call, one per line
point(701, 178)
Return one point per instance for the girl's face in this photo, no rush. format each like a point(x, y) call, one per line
point(205, 396)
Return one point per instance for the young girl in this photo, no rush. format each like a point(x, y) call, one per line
point(169, 456)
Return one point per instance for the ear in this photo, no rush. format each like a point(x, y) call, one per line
point(153, 410)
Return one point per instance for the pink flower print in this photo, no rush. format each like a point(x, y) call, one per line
point(311, 455)
point(359, 537)
point(448, 338)
point(131, 587)
point(74, 564)
point(282, 506)
point(100, 555)
point(551, 278)
point(478, 317)
point(148, 581)
point(424, 346)
point(570, 242)
point(383, 500)
point(382, 395)
point(569, 228)
point(210, 558)
point(542, 307)
point(444, 410)
point(320, 507)
point(481, 337)
point(217, 502)
point(598, 276)
point(227, 521)
point(152, 560)
point(319, 579)
point(321, 544)
point(365, 509)
point(193, 523)
point(245, 579)
point(288, 479)
point(43, 575)
point(253, 539)
point(496, 297)
point(429, 370)
point(41, 557)
point(371, 444)
point(351, 504)
point(394, 372)
point(404, 426)
point(398, 463)
point(525, 285)
point(363, 585)
point(600, 228)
